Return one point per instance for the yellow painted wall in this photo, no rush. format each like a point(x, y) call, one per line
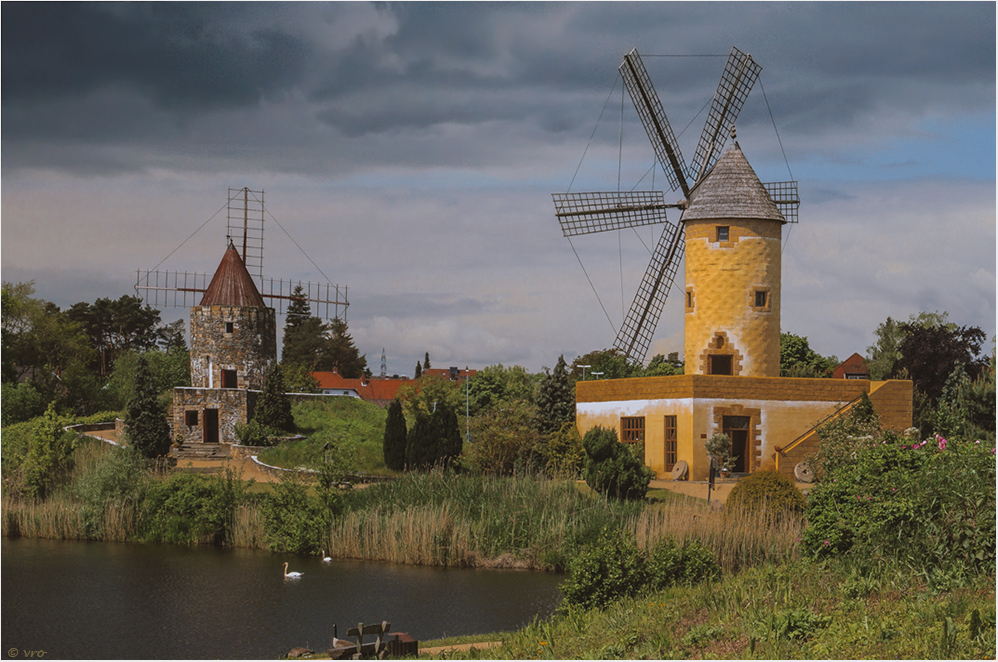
point(722, 278)
point(781, 410)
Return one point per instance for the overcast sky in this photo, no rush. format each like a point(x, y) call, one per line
point(411, 150)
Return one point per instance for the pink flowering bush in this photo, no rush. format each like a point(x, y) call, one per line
point(928, 504)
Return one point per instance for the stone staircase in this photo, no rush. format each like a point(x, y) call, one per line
point(201, 452)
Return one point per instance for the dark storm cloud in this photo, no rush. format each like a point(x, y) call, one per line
point(180, 55)
point(302, 87)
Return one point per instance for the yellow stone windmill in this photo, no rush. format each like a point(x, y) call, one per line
point(592, 212)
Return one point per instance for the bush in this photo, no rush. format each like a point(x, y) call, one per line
point(605, 571)
point(929, 505)
point(49, 455)
point(105, 475)
point(293, 521)
point(770, 491)
point(146, 429)
point(612, 468)
point(256, 434)
point(191, 509)
point(613, 568)
point(565, 455)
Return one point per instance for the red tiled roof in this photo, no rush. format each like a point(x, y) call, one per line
point(854, 365)
point(232, 285)
point(379, 390)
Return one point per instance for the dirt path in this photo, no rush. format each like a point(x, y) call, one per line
point(246, 466)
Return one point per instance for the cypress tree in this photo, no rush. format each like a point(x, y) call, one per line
point(418, 444)
point(273, 409)
point(146, 429)
point(450, 441)
point(555, 399)
point(395, 437)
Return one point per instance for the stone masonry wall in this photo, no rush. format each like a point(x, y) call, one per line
point(235, 407)
point(240, 338)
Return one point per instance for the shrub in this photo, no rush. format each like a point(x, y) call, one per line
point(613, 567)
point(434, 439)
point(21, 402)
point(605, 571)
point(256, 434)
point(48, 457)
point(191, 509)
point(105, 475)
point(565, 454)
point(769, 490)
point(612, 468)
point(929, 505)
point(719, 448)
point(293, 521)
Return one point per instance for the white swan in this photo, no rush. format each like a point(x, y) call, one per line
point(290, 575)
point(325, 558)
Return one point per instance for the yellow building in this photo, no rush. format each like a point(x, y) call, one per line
point(733, 233)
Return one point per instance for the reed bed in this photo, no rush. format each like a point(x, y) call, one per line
point(441, 519)
point(739, 537)
point(62, 519)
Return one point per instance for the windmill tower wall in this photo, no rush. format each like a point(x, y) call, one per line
point(232, 342)
point(733, 298)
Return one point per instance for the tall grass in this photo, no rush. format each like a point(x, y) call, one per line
point(63, 519)
point(739, 537)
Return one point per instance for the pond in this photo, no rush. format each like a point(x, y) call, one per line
point(130, 601)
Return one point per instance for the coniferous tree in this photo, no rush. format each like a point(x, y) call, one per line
point(419, 444)
point(146, 429)
point(395, 437)
point(419, 371)
point(273, 409)
point(555, 399)
point(426, 362)
point(434, 439)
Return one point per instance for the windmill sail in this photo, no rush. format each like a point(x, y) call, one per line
point(739, 75)
point(635, 335)
point(586, 213)
point(656, 124)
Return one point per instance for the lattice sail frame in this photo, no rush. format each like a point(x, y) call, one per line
point(591, 212)
point(245, 214)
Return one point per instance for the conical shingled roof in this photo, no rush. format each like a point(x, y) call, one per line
point(232, 285)
point(731, 190)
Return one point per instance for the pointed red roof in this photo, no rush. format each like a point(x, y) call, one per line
point(232, 285)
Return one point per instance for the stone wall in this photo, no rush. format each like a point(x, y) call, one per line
point(239, 338)
point(234, 407)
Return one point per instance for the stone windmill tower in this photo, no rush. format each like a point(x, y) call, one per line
point(233, 332)
point(733, 232)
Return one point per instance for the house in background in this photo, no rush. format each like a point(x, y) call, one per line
point(733, 239)
point(853, 367)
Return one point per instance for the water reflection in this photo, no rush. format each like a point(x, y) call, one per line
point(104, 600)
